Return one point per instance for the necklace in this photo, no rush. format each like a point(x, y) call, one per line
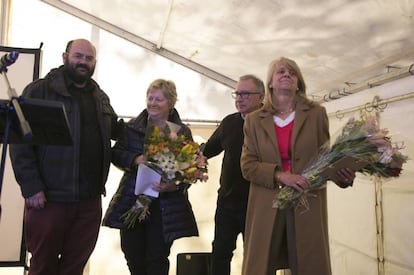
point(285, 112)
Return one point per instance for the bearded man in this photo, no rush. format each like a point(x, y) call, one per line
point(62, 185)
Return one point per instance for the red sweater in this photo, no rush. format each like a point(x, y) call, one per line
point(284, 139)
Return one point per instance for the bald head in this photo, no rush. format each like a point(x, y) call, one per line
point(80, 41)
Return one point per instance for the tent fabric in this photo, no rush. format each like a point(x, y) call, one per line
point(336, 43)
point(370, 224)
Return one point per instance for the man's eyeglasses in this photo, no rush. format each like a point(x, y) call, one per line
point(243, 94)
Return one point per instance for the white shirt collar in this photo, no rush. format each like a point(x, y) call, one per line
point(283, 122)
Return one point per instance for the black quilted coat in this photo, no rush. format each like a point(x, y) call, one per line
point(177, 215)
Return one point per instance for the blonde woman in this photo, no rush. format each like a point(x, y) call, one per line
point(280, 140)
point(146, 244)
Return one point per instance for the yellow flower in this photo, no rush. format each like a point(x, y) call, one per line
point(176, 156)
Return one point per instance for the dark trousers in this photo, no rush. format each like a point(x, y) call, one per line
point(62, 236)
point(282, 255)
point(144, 247)
point(228, 225)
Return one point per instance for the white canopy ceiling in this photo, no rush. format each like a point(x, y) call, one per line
point(339, 44)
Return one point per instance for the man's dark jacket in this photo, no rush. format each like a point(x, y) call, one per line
point(228, 137)
point(54, 169)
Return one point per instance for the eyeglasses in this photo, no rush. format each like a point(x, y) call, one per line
point(243, 94)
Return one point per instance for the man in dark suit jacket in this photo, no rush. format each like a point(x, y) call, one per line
point(233, 193)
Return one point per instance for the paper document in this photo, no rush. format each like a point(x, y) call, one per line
point(145, 177)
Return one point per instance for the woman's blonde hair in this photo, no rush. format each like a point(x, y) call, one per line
point(273, 66)
point(168, 90)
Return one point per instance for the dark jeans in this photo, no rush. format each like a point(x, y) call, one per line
point(144, 247)
point(62, 236)
point(228, 225)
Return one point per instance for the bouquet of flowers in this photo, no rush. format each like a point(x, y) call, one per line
point(360, 141)
point(177, 159)
point(180, 160)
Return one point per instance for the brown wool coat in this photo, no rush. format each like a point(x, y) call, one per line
point(260, 158)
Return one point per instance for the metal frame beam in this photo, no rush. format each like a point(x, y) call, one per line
point(373, 82)
point(142, 42)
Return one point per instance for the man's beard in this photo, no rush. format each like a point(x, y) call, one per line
point(74, 75)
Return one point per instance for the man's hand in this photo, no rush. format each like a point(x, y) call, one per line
point(36, 201)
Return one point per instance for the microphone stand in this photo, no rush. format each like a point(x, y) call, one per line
point(14, 105)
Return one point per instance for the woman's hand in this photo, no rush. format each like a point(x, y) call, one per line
point(164, 186)
point(293, 180)
point(345, 177)
point(139, 159)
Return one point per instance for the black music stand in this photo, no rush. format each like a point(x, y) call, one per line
point(47, 119)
